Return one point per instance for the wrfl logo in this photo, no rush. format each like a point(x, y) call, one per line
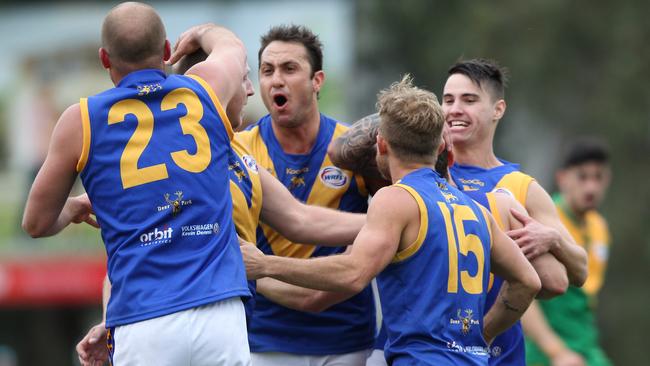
point(333, 177)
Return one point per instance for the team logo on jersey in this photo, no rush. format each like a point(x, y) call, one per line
point(297, 179)
point(503, 191)
point(148, 89)
point(250, 162)
point(238, 170)
point(465, 321)
point(449, 197)
point(156, 237)
point(333, 177)
point(471, 184)
point(175, 204)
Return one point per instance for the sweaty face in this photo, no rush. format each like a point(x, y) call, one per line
point(583, 186)
point(235, 109)
point(470, 111)
point(287, 87)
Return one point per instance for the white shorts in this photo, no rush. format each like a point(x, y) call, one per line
point(208, 335)
point(288, 359)
point(376, 358)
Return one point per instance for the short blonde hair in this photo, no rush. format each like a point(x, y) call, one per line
point(411, 121)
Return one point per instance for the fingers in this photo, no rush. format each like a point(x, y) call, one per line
point(521, 217)
point(516, 234)
point(91, 221)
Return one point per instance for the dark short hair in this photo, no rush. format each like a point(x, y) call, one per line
point(484, 73)
point(585, 150)
point(295, 34)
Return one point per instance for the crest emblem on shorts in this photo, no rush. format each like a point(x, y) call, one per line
point(333, 177)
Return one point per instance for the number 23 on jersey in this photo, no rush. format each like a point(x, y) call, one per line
point(131, 174)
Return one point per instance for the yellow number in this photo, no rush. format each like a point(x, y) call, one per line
point(190, 125)
point(452, 280)
point(132, 175)
point(467, 243)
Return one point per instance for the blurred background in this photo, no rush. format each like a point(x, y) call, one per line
point(576, 68)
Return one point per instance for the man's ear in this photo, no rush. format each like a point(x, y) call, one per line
point(318, 80)
point(168, 51)
point(103, 57)
point(499, 109)
point(382, 145)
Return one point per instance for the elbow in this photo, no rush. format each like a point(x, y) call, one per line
point(32, 228)
point(553, 285)
point(533, 285)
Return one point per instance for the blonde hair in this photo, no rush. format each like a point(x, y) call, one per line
point(411, 121)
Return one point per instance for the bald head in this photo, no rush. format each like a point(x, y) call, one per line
point(134, 36)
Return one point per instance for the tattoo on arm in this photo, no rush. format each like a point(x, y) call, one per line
point(509, 306)
point(355, 149)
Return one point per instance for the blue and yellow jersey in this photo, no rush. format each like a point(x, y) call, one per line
point(154, 163)
point(313, 179)
point(246, 190)
point(508, 348)
point(433, 293)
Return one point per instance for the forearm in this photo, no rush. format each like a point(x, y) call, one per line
point(355, 149)
point(510, 305)
point(332, 273)
point(538, 330)
point(213, 39)
point(48, 223)
point(574, 259)
point(325, 226)
point(552, 275)
point(299, 298)
point(106, 295)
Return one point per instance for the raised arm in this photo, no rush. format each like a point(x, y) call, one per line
point(545, 233)
point(374, 247)
point(551, 272)
point(303, 223)
point(520, 286)
point(224, 68)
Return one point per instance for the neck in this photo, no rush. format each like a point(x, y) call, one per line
point(299, 139)
point(117, 74)
point(569, 209)
point(399, 169)
point(480, 154)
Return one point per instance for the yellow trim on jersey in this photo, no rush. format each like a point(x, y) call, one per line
point(217, 104)
point(494, 209)
point(593, 236)
point(422, 231)
point(246, 218)
point(85, 128)
point(517, 183)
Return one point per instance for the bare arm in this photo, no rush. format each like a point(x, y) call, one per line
point(551, 272)
point(44, 211)
point(521, 286)
point(303, 223)
point(355, 149)
point(373, 249)
point(300, 298)
point(539, 331)
point(225, 67)
point(545, 233)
